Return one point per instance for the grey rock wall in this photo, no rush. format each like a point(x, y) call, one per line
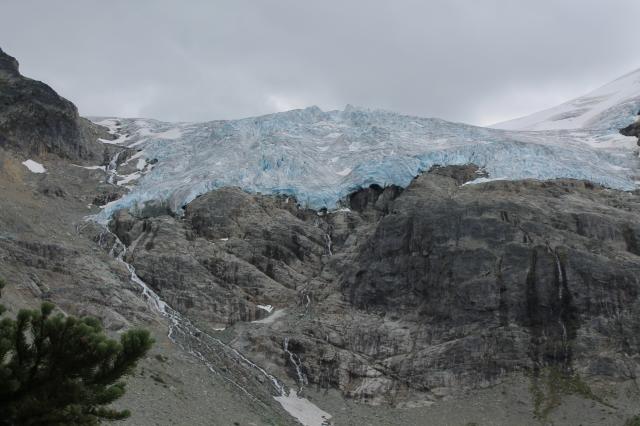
point(35, 120)
point(414, 293)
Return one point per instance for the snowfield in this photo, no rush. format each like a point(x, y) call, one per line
point(34, 167)
point(303, 410)
point(611, 107)
point(319, 157)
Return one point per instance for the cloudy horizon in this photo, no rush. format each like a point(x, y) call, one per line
point(477, 62)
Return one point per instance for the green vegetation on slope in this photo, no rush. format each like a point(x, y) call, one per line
point(62, 370)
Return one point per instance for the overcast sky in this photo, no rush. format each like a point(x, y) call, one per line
point(476, 61)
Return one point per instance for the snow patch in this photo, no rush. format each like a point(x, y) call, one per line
point(267, 308)
point(91, 167)
point(482, 180)
point(303, 410)
point(34, 167)
point(271, 318)
point(118, 141)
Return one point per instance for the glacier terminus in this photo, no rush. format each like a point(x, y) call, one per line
point(319, 157)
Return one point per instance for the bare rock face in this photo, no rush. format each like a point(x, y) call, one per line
point(410, 294)
point(503, 276)
point(49, 251)
point(231, 252)
point(632, 130)
point(35, 120)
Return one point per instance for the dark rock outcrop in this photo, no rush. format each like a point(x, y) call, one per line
point(35, 120)
point(633, 129)
point(503, 276)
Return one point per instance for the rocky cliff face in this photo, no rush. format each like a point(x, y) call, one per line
point(49, 251)
point(411, 294)
point(633, 130)
point(35, 120)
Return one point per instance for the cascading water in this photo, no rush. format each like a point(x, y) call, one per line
point(112, 167)
point(561, 282)
point(182, 332)
point(295, 360)
point(301, 408)
point(213, 352)
point(329, 243)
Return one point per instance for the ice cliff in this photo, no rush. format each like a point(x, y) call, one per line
point(319, 157)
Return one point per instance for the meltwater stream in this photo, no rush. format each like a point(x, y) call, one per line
point(295, 360)
point(211, 350)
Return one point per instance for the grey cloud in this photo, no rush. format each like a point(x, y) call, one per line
point(473, 61)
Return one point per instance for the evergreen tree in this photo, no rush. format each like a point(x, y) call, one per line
point(57, 370)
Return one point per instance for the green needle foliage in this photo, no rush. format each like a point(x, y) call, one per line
point(57, 370)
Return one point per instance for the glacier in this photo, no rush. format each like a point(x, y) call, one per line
point(610, 107)
point(319, 157)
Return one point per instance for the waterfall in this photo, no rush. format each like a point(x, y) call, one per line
point(329, 243)
point(559, 271)
point(111, 168)
point(212, 352)
point(295, 360)
point(566, 349)
point(186, 335)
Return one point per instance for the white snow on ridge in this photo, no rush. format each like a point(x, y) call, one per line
point(118, 141)
point(34, 166)
point(113, 125)
point(296, 153)
point(611, 106)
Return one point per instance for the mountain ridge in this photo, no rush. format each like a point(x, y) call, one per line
point(612, 105)
point(37, 121)
point(456, 298)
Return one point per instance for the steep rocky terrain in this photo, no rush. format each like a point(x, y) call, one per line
point(416, 294)
point(48, 251)
point(36, 120)
point(499, 302)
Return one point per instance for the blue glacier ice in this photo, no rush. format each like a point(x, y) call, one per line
point(319, 157)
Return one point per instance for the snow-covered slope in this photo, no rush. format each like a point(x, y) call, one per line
point(611, 107)
point(319, 157)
